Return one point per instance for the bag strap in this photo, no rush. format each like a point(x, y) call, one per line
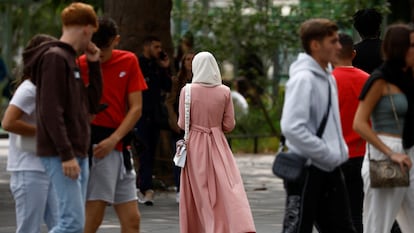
point(393, 108)
point(322, 125)
point(394, 112)
point(321, 128)
point(187, 105)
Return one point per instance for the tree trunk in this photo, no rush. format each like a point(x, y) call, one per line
point(412, 11)
point(138, 19)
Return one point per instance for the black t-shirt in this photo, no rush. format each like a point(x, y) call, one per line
point(368, 55)
point(158, 81)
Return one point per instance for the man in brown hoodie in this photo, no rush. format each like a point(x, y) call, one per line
point(64, 104)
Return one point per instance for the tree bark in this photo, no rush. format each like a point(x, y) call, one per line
point(412, 11)
point(139, 19)
point(136, 20)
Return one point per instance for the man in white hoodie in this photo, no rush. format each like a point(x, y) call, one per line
point(319, 196)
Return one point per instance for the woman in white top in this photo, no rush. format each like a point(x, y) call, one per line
point(32, 191)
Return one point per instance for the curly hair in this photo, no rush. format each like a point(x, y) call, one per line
point(367, 22)
point(107, 31)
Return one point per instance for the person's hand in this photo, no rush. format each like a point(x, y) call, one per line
point(71, 168)
point(92, 52)
point(172, 122)
point(403, 160)
point(165, 63)
point(176, 129)
point(104, 147)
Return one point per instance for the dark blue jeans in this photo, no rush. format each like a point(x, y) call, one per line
point(177, 170)
point(318, 198)
point(149, 132)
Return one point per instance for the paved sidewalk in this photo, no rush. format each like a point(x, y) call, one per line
point(265, 193)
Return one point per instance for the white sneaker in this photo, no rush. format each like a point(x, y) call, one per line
point(177, 197)
point(141, 198)
point(149, 197)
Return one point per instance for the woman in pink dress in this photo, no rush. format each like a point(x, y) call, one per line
point(213, 199)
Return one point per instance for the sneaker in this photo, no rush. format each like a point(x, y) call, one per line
point(177, 197)
point(141, 198)
point(149, 197)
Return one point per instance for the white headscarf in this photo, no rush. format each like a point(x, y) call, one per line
point(206, 70)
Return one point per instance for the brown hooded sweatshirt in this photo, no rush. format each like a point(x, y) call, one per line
point(63, 102)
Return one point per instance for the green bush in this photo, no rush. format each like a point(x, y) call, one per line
point(255, 123)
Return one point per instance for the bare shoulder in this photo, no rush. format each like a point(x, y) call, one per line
point(378, 86)
point(376, 91)
point(384, 87)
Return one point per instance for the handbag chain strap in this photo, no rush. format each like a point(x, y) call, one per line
point(187, 105)
point(394, 111)
point(393, 108)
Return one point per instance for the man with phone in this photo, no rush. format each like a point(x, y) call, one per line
point(158, 78)
point(112, 177)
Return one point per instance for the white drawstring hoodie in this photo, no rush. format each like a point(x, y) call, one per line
point(306, 101)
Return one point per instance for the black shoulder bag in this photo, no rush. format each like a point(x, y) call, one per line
point(289, 165)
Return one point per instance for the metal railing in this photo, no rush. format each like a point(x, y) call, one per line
point(254, 137)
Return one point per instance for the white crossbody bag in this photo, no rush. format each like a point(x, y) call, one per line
point(181, 146)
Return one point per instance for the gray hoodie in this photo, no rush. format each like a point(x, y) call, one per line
point(305, 105)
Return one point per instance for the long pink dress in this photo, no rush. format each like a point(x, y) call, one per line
point(212, 195)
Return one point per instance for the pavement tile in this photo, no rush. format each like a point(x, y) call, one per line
point(265, 193)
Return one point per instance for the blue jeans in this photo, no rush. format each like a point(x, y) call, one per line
point(35, 201)
point(71, 194)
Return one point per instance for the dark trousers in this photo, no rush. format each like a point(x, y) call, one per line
point(177, 170)
point(354, 184)
point(318, 198)
point(149, 133)
point(395, 228)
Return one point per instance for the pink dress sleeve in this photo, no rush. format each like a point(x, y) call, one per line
point(228, 120)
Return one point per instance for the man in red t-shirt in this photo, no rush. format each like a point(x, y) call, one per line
point(350, 81)
point(112, 179)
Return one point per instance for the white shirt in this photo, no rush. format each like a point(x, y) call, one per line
point(18, 160)
point(241, 107)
